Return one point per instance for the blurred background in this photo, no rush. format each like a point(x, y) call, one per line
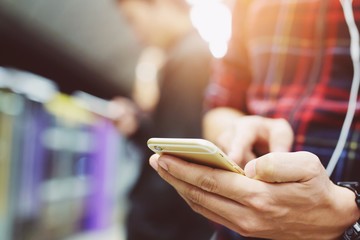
point(72, 161)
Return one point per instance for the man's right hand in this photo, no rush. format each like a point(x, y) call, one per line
point(244, 138)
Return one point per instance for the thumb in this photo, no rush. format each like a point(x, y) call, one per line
point(280, 167)
point(281, 135)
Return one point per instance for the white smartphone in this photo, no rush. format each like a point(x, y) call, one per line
point(195, 150)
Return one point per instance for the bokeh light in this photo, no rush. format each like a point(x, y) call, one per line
point(212, 19)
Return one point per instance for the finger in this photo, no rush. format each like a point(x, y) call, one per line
point(241, 152)
point(284, 167)
point(212, 206)
point(126, 126)
point(116, 109)
point(211, 215)
point(242, 144)
point(281, 136)
point(221, 182)
point(153, 161)
point(224, 139)
point(229, 142)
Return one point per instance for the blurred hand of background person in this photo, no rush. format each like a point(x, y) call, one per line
point(171, 76)
point(125, 115)
point(129, 112)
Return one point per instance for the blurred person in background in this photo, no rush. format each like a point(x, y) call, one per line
point(156, 211)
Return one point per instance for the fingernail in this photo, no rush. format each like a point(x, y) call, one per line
point(250, 169)
point(154, 164)
point(163, 165)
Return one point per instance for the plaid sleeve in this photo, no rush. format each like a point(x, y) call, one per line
point(231, 75)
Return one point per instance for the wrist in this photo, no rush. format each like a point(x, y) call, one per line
point(346, 205)
point(353, 231)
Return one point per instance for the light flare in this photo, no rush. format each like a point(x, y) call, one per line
point(212, 19)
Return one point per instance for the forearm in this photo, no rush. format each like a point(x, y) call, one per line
point(217, 120)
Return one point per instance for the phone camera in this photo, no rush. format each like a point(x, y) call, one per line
point(157, 148)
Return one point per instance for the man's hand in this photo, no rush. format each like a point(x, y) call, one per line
point(252, 136)
point(245, 137)
point(283, 196)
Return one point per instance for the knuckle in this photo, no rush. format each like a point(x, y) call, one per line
point(196, 208)
point(248, 227)
point(208, 183)
point(282, 125)
point(247, 121)
point(314, 166)
point(196, 196)
point(256, 120)
point(282, 121)
point(261, 204)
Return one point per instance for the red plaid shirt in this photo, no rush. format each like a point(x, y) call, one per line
point(291, 59)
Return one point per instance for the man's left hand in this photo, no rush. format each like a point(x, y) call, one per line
point(283, 196)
